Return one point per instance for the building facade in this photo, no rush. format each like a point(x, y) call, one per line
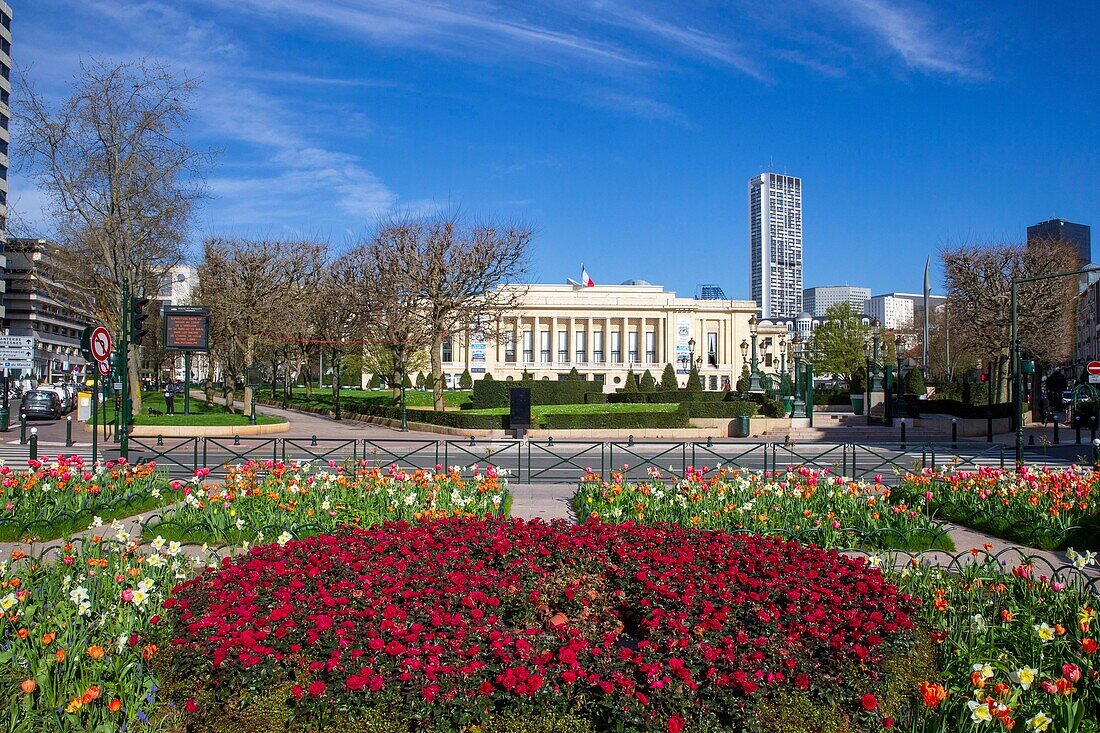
point(36, 306)
point(891, 311)
point(1079, 235)
point(819, 299)
point(607, 330)
point(1086, 346)
point(5, 136)
point(775, 244)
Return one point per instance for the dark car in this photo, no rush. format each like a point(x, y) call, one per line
point(41, 403)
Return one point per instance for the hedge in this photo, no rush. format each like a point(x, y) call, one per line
point(957, 409)
point(721, 409)
point(619, 420)
point(680, 395)
point(595, 398)
point(450, 419)
point(494, 393)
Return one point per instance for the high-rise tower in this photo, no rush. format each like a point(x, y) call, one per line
point(775, 244)
point(5, 121)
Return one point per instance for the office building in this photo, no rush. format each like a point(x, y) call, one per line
point(1079, 235)
point(891, 311)
point(605, 331)
point(775, 244)
point(818, 300)
point(5, 122)
point(37, 306)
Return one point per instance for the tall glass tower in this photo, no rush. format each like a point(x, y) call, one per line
point(775, 244)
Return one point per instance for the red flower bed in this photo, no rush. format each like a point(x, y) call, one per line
point(448, 621)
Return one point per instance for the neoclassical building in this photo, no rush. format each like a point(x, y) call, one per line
point(605, 330)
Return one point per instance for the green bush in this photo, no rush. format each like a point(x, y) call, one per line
point(595, 398)
point(914, 383)
point(721, 409)
point(693, 383)
point(574, 375)
point(669, 383)
point(631, 385)
point(420, 379)
point(375, 382)
point(961, 410)
point(406, 382)
point(636, 398)
point(619, 420)
point(451, 418)
point(648, 383)
point(743, 380)
point(488, 377)
point(769, 406)
point(492, 393)
point(465, 381)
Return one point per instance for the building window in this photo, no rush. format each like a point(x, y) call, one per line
point(580, 342)
point(713, 382)
point(616, 347)
point(651, 347)
point(599, 378)
point(712, 350)
point(510, 347)
point(597, 347)
point(448, 351)
point(632, 346)
point(563, 347)
point(528, 346)
point(544, 346)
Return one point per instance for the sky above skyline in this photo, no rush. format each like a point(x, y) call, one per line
point(625, 133)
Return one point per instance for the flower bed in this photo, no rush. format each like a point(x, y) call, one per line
point(1016, 650)
point(442, 625)
point(55, 497)
point(276, 499)
point(1046, 508)
point(805, 504)
point(79, 631)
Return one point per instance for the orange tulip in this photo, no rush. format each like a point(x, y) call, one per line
point(90, 694)
point(28, 686)
point(47, 639)
point(114, 705)
point(95, 652)
point(22, 633)
point(148, 651)
point(60, 655)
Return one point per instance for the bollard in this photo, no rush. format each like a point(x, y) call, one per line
point(1096, 454)
point(903, 433)
point(22, 429)
point(1031, 440)
point(1077, 430)
point(1055, 431)
point(954, 434)
point(34, 444)
point(69, 431)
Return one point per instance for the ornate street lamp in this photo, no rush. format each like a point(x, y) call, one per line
point(874, 376)
point(782, 357)
point(902, 407)
point(799, 409)
point(744, 352)
point(754, 366)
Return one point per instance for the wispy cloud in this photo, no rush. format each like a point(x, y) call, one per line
point(911, 32)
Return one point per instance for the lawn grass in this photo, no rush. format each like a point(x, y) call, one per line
point(322, 399)
point(69, 526)
point(201, 415)
point(538, 411)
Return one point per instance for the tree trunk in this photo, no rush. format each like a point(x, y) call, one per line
point(134, 377)
point(307, 373)
point(209, 393)
point(336, 369)
point(230, 397)
point(437, 369)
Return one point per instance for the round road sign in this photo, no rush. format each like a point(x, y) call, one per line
point(104, 368)
point(100, 344)
point(1093, 367)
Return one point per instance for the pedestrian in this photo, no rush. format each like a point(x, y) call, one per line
point(170, 397)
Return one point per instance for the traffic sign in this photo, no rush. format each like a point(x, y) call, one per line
point(7, 354)
point(17, 364)
point(16, 342)
point(1093, 368)
point(104, 368)
point(101, 343)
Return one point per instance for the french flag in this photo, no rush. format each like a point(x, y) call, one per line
point(586, 281)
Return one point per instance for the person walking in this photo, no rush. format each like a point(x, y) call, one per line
point(170, 397)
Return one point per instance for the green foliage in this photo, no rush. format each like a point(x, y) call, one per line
point(786, 385)
point(631, 385)
point(769, 406)
point(744, 379)
point(406, 382)
point(488, 377)
point(836, 346)
point(669, 383)
point(618, 420)
point(574, 375)
point(648, 383)
point(376, 381)
point(733, 408)
point(429, 381)
point(527, 376)
point(693, 382)
point(490, 393)
point(595, 398)
point(465, 381)
point(420, 380)
point(914, 383)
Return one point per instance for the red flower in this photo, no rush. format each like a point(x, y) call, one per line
point(191, 706)
point(317, 688)
point(888, 722)
point(676, 723)
point(869, 701)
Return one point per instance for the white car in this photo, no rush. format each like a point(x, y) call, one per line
point(62, 395)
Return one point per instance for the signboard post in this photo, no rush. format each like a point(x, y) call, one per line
point(519, 410)
point(1093, 369)
point(186, 329)
point(16, 352)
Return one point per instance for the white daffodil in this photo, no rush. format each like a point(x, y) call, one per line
point(1024, 677)
point(84, 609)
point(154, 561)
point(122, 536)
point(326, 505)
point(284, 538)
point(123, 640)
point(96, 522)
point(239, 524)
point(139, 597)
point(979, 712)
point(410, 498)
point(985, 670)
point(173, 548)
point(146, 585)
point(977, 622)
point(1045, 632)
point(155, 493)
point(79, 595)
point(157, 543)
point(8, 602)
point(875, 561)
point(1039, 722)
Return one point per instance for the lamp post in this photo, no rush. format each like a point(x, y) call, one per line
point(691, 359)
point(874, 379)
point(902, 407)
point(799, 408)
point(782, 357)
point(754, 373)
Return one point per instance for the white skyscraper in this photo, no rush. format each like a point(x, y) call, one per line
point(5, 120)
point(775, 244)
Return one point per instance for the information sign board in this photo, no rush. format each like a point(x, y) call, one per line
point(186, 329)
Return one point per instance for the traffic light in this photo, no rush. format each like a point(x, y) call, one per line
point(138, 316)
point(983, 377)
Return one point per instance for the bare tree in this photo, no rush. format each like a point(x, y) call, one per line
point(338, 316)
point(251, 289)
point(979, 281)
point(458, 271)
point(121, 179)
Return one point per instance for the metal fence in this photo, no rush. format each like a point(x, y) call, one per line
point(563, 461)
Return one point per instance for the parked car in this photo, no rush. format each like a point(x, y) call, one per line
point(62, 395)
point(41, 403)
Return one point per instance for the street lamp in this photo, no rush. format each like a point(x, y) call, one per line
point(874, 379)
point(799, 408)
point(744, 352)
point(782, 357)
point(902, 407)
point(754, 373)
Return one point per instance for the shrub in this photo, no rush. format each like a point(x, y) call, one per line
point(493, 393)
point(488, 377)
point(574, 375)
point(595, 398)
point(648, 383)
point(375, 382)
point(618, 420)
point(669, 382)
point(406, 382)
point(769, 406)
point(631, 384)
point(420, 379)
point(721, 409)
point(693, 382)
point(465, 381)
point(744, 380)
point(914, 383)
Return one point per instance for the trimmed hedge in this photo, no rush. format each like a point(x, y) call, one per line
point(450, 419)
point(769, 406)
point(730, 409)
point(494, 393)
point(619, 420)
point(595, 398)
point(680, 395)
point(957, 409)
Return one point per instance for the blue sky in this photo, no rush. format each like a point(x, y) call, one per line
point(624, 132)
